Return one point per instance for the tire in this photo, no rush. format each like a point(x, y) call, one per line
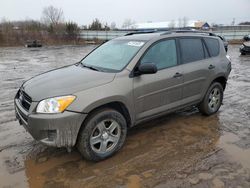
point(102, 135)
point(243, 53)
point(212, 100)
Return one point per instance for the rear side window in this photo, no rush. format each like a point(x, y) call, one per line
point(213, 46)
point(191, 50)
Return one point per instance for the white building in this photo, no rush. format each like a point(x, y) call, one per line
point(182, 23)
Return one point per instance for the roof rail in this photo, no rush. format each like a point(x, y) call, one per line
point(189, 31)
point(142, 32)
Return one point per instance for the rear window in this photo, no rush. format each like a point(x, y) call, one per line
point(213, 46)
point(191, 50)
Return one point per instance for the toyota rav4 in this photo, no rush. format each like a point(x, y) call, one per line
point(120, 84)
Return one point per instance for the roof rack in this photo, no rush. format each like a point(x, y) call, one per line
point(142, 32)
point(189, 31)
point(167, 32)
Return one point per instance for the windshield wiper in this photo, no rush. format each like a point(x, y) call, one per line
point(90, 67)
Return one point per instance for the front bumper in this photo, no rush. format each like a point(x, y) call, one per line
point(58, 130)
point(245, 50)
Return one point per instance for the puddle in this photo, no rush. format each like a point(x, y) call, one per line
point(227, 143)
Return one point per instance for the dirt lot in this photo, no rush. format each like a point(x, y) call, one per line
point(184, 149)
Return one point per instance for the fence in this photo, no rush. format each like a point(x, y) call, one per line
point(228, 33)
point(232, 32)
point(101, 35)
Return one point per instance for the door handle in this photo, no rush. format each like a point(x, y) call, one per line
point(177, 75)
point(211, 67)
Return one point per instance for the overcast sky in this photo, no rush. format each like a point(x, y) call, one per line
point(83, 11)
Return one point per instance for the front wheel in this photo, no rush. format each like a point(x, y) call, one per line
point(212, 100)
point(103, 134)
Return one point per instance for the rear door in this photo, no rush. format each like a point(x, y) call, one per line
point(156, 93)
point(197, 68)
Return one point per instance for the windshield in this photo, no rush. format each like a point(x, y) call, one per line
point(112, 56)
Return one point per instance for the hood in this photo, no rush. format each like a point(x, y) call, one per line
point(65, 81)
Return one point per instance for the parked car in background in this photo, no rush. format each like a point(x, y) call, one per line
point(33, 44)
point(122, 83)
point(245, 48)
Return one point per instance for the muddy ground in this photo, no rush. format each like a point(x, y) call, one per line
point(184, 149)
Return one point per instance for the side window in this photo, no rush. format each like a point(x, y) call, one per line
point(163, 54)
point(191, 50)
point(213, 46)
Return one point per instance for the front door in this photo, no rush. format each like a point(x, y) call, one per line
point(156, 93)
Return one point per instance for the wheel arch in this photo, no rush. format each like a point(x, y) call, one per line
point(115, 105)
point(222, 80)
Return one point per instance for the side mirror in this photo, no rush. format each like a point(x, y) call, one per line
point(147, 68)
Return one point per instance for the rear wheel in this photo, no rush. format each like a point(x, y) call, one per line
point(212, 100)
point(103, 134)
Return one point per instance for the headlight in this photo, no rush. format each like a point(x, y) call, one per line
point(55, 104)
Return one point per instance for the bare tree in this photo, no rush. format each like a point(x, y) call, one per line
point(171, 24)
point(180, 23)
point(96, 25)
point(113, 26)
point(106, 26)
point(185, 21)
point(52, 16)
point(127, 24)
point(72, 30)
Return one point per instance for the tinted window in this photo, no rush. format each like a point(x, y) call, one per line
point(191, 50)
point(213, 46)
point(163, 54)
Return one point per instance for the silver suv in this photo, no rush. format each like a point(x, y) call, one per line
point(120, 84)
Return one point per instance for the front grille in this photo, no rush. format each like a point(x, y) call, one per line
point(247, 48)
point(25, 118)
point(24, 99)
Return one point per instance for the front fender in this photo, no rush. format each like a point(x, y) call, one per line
point(93, 98)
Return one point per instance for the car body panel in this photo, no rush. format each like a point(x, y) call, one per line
point(65, 81)
point(65, 126)
point(196, 76)
point(119, 90)
point(158, 92)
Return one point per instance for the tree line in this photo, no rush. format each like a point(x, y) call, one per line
point(51, 29)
